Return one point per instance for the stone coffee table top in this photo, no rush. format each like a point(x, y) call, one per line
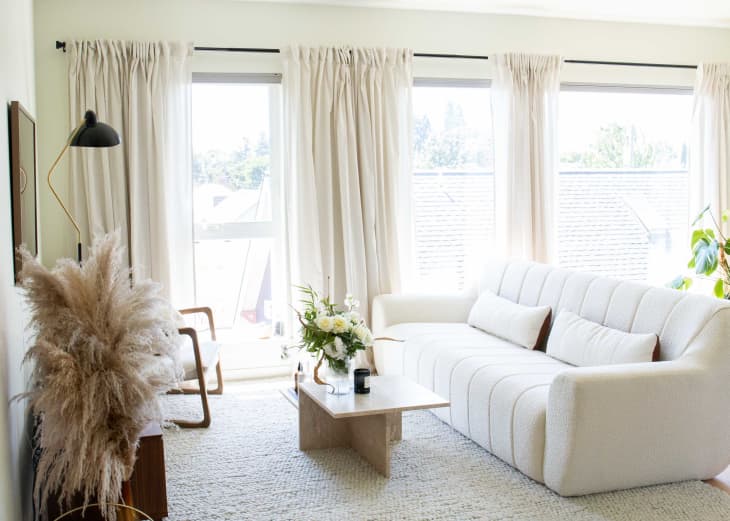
point(387, 394)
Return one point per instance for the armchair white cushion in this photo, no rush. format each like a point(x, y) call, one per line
point(209, 355)
point(579, 430)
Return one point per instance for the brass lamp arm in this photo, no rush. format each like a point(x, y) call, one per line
point(58, 198)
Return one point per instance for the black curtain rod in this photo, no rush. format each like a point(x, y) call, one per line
point(634, 64)
point(274, 51)
point(263, 50)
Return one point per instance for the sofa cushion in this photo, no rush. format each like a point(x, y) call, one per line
point(580, 342)
point(522, 325)
point(486, 379)
point(498, 398)
point(390, 355)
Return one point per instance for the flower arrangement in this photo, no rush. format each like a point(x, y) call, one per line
point(331, 334)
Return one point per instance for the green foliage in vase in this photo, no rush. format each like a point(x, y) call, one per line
point(337, 335)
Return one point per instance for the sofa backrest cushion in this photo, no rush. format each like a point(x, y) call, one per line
point(522, 325)
point(676, 317)
point(584, 343)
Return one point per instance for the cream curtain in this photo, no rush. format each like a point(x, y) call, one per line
point(525, 95)
point(710, 157)
point(347, 161)
point(144, 187)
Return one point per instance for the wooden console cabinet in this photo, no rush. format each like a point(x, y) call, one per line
point(147, 486)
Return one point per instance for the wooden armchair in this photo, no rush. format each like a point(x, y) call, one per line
point(197, 361)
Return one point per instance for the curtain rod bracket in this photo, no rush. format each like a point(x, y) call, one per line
point(61, 45)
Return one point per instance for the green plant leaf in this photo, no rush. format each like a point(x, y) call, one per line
point(725, 215)
point(727, 246)
point(676, 283)
point(696, 236)
point(680, 282)
point(718, 289)
point(705, 256)
point(691, 263)
point(701, 215)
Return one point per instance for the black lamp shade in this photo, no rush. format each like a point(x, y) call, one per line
point(93, 133)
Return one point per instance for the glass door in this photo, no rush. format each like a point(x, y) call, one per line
point(234, 201)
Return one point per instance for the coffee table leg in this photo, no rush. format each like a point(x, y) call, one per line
point(370, 437)
point(395, 425)
point(317, 429)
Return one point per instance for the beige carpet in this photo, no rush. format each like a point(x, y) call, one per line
point(247, 466)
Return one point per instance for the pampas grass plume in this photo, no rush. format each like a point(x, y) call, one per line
point(104, 350)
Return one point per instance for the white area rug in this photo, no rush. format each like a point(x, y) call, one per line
point(247, 466)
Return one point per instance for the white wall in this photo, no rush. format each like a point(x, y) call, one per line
point(244, 24)
point(16, 83)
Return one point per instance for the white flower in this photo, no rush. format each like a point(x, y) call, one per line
point(363, 334)
point(351, 302)
point(324, 323)
point(336, 349)
point(330, 350)
point(353, 317)
point(340, 324)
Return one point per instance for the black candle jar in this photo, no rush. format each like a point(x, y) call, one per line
point(362, 381)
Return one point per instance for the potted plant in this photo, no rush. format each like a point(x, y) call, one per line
point(710, 248)
point(333, 335)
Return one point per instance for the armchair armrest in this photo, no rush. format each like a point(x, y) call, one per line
point(189, 331)
point(205, 310)
point(622, 426)
point(394, 309)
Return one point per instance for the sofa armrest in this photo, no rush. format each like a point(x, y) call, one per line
point(622, 426)
point(395, 309)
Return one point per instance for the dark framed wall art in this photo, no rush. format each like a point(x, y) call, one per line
point(23, 191)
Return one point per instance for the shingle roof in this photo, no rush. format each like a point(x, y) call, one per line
point(597, 229)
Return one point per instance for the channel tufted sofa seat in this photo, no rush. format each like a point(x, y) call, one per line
point(578, 430)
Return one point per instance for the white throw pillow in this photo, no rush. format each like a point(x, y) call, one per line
point(522, 325)
point(580, 342)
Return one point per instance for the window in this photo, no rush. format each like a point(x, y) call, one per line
point(453, 182)
point(623, 181)
point(234, 206)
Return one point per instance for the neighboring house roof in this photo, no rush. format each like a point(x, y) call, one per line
point(600, 218)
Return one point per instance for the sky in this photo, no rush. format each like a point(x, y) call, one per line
point(223, 113)
point(662, 117)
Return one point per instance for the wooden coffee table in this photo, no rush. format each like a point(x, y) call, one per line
point(365, 422)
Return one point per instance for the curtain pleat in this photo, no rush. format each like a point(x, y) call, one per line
point(710, 152)
point(142, 188)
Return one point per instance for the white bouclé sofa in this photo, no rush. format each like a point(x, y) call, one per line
point(578, 430)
